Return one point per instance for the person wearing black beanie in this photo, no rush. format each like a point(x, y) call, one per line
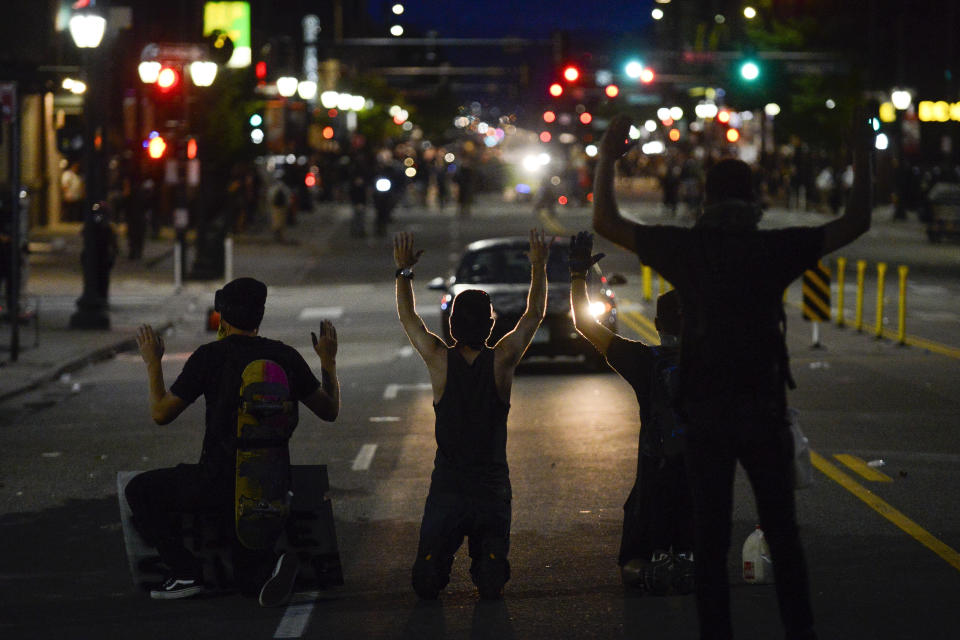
point(214, 372)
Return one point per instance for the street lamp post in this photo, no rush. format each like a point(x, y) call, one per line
point(87, 30)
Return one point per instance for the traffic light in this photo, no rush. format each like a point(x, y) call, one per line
point(612, 91)
point(191, 149)
point(749, 70)
point(256, 133)
point(168, 79)
point(732, 135)
point(571, 73)
point(647, 75)
point(556, 90)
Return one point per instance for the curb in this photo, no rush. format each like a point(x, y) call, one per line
point(98, 355)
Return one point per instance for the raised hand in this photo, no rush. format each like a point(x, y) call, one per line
point(325, 346)
point(539, 248)
point(150, 344)
point(403, 252)
point(581, 246)
point(616, 140)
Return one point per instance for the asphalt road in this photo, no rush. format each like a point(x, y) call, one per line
point(883, 562)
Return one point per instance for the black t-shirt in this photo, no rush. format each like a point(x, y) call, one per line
point(201, 376)
point(731, 283)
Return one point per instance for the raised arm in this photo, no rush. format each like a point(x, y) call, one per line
point(856, 216)
point(164, 406)
point(510, 348)
point(581, 246)
point(430, 347)
point(325, 401)
point(607, 220)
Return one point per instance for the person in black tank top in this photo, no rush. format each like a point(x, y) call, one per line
point(470, 489)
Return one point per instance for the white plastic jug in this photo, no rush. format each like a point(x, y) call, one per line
point(757, 566)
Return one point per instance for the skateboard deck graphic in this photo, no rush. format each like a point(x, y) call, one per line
point(266, 417)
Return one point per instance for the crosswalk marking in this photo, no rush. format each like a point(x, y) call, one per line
point(320, 313)
point(390, 391)
point(364, 457)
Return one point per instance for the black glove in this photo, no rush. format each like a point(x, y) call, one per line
point(580, 259)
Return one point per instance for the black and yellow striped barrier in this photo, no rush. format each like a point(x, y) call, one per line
point(816, 293)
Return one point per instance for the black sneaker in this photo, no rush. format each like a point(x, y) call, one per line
point(682, 579)
point(657, 574)
point(174, 588)
point(278, 588)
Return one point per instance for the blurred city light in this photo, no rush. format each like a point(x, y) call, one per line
point(657, 13)
point(674, 134)
point(646, 75)
point(397, 9)
point(882, 142)
point(706, 110)
point(591, 150)
point(676, 113)
point(633, 69)
point(634, 133)
point(612, 91)
point(556, 90)
point(549, 116)
point(203, 72)
point(830, 103)
point(732, 135)
point(749, 70)
point(307, 89)
point(149, 70)
point(653, 147)
point(901, 99)
point(586, 118)
point(749, 13)
point(772, 109)
point(287, 86)
point(396, 30)
point(571, 74)
point(650, 125)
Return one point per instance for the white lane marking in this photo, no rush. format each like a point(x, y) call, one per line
point(390, 392)
point(320, 313)
point(364, 457)
point(384, 419)
point(296, 617)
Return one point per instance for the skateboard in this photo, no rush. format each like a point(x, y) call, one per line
point(266, 417)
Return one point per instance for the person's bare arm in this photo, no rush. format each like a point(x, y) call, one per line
point(429, 345)
point(511, 347)
point(325, 401)
point(581, 260)
point(607, 220)
point(164, 406)
point(856, 216)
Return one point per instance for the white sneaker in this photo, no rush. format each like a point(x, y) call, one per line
point(278, 588)
point(174, 588)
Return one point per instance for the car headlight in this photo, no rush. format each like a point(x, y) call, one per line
point(599, 307)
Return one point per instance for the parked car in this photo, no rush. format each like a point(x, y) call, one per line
point(500, 267)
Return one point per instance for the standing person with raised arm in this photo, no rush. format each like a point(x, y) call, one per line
point(733, 358)
point(470, 491)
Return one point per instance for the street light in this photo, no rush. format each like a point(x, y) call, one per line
point(203, 72)
point(87, 30)
point(901, 99)
point(287, 86)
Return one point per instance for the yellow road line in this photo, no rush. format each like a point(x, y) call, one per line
point(641, 325)
point(858, 465)
point(896, 517)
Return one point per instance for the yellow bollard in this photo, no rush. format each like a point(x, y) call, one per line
point(841, 268)
point(881, 276)
point(646, 279)
point(858, 311)
point(902, 306)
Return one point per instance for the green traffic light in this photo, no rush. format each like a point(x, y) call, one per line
point(256, 120)
point(749, 71)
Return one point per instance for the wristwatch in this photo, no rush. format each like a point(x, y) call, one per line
point(405, 272)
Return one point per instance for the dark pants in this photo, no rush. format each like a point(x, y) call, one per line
point(658, 513)
point(447, 518)
point(753, 430)
point(159, 497)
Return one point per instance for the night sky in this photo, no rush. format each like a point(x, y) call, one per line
point(523, 18)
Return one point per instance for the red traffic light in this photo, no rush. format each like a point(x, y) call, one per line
point(168, 79)
point(260, 70)
point(191, 149)
point(556, 90)
point(586, 118)
point(612, 91)
point(732, 135)
point(723, 116)
point(571, 74)
point(646, 75)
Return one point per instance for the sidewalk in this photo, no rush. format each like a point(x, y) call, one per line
point(140, 292)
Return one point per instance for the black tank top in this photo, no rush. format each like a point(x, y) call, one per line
point(471, 429)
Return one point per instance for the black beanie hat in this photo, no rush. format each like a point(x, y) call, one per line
point(241, 303)
point(729, 179)
point(470, 318)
